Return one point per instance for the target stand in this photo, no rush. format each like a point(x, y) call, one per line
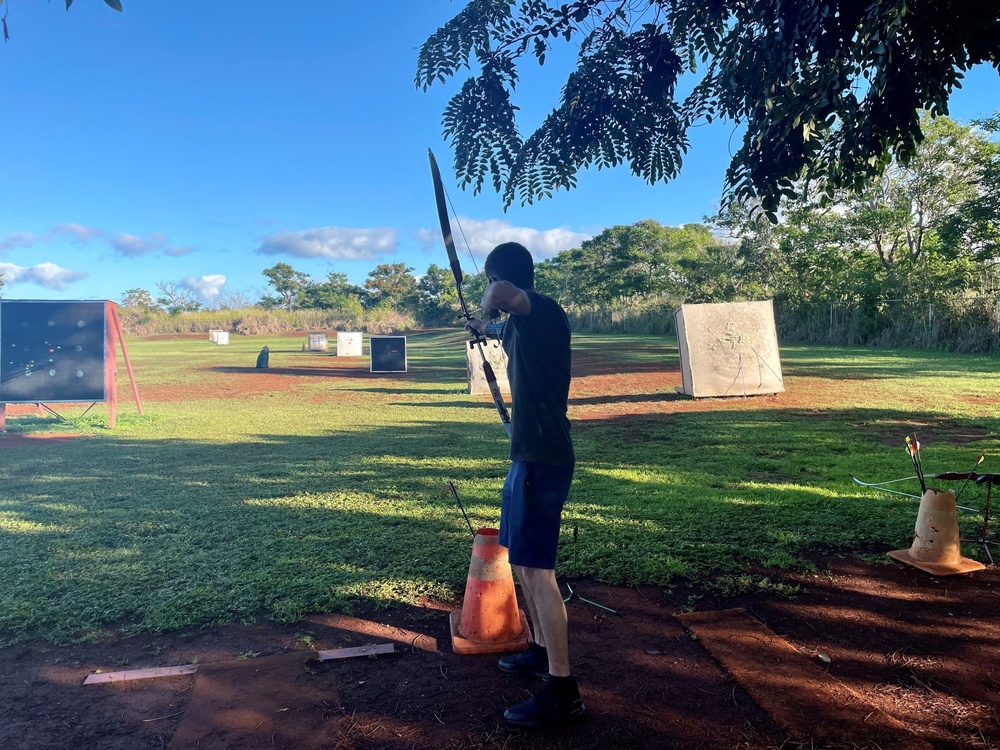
point(55, 352)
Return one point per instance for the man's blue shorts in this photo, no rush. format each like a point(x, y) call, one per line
point(533, 498)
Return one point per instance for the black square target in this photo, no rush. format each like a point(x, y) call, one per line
point(388, 353)
point(52, 351)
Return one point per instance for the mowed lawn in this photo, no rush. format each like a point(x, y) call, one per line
point(243, 494)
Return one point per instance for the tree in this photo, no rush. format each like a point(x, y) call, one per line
point(116, 4)
point(896, 213)
point(1, 284)
point(233, 300)
point(139, 299)
point(437, 296)
point(827, 90)
point(336, 293)
point(975, 223)
point(176, 299)
point(392, 285)
point(626, 264)
point(886, 241)
point(287, 282)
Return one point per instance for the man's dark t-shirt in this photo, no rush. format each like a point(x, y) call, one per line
point(538, 368)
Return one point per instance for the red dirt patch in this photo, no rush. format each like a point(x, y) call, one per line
point(799, 694)
point(275, 701)
point(246, 382)
point(923, 650)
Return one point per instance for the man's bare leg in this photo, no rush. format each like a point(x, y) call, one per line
point(548, 614)
point(536, 631)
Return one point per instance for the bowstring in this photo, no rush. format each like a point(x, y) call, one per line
point(468, 249)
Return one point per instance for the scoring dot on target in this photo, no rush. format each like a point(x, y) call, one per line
point(51, 373)
point(79, 324)
point(79, 348)
point(51, 323)
point(79, 373)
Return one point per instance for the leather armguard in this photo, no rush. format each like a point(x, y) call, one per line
point(495, 330)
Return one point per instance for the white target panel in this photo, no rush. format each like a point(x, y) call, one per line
point(349, 343)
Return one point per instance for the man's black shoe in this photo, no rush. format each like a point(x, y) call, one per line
point(534, 661)
point(557, 702)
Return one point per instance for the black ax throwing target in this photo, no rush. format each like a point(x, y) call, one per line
point(52, 351)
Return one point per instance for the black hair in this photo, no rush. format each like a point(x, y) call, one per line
point(512, 262)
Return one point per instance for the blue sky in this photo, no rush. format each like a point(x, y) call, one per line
point(197, 143)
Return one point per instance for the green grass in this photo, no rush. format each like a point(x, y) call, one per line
point(324, 490)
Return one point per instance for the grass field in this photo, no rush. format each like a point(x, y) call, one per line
point(243, 494)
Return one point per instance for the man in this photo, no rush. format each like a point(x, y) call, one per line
point(536, 339)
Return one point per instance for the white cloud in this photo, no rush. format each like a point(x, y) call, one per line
point(48, 275)
point(123, 243)
point(483, 236)
point(132, 246)
point(206, 287)
point(335, 243)
point(77, 231)
point(18, 239)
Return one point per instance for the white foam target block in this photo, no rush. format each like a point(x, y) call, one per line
point(318, 341)
point(222, 338)
point(477, 376)
point(728, 349)
point(349, 344)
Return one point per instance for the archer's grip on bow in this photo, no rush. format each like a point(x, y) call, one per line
point(477, 326)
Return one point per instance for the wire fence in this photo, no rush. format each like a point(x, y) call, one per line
point(958, 323)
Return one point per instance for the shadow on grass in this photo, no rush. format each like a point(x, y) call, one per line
point(175, 533)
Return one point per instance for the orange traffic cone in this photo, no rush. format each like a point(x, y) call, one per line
point(936, 547)
point(489, 621)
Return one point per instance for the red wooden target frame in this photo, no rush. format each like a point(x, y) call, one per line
point(114, 339)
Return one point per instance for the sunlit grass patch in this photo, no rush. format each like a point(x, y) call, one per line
point(330, 488)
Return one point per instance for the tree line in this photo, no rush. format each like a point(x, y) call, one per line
point(917, 247)
point(431, 299)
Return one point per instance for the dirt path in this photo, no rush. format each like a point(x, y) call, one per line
point(925, 651)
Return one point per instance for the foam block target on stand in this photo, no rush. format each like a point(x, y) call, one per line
point(489, 621)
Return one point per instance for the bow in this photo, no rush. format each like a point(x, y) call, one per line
point(979, 479)
point(477, 340)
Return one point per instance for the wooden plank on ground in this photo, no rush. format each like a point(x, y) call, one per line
point(812, 705)
point(140, 674)
point(154, 672)
point(347, 653)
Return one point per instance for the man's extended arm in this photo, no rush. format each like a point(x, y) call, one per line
point(504, 296)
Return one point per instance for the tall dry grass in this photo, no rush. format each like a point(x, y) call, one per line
point(256, 321)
